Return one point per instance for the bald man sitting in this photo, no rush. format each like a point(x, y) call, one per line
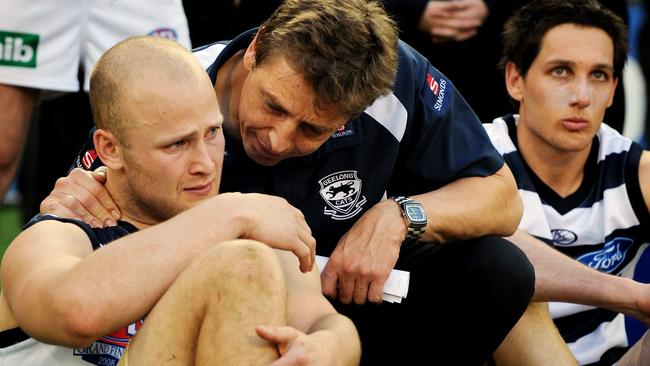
point(76, 295)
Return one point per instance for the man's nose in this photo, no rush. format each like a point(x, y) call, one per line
point(281, 138)
point(201, 160)
point(581, 93)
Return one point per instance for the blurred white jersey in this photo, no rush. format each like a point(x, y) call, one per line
point(43, 42)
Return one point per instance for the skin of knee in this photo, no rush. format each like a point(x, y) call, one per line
point(240, 264)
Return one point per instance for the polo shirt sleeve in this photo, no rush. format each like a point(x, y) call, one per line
point(444, 140)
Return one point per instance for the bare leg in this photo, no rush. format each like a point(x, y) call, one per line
point(16, 105)
point(639, 354)
point(208, 316)
point(534, 341)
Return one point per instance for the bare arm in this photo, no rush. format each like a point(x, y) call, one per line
point(316, 332)
point(62, 292)
point(464, 209)
point(561, 278)
point(473, 207)
point(82, 195)
point(644, 177)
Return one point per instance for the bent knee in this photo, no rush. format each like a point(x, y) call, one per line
point(506, 267)
point(244, 252)
point(242, 260)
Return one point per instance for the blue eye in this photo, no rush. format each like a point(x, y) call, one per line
point(213, 131)
point(559, 71)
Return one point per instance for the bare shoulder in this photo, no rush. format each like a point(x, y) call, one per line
point(43, 243)
point(55, 235)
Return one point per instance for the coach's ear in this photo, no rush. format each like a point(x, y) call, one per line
point(250, 55)
point(108, 149)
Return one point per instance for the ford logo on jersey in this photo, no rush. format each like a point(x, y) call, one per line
point(610, 257)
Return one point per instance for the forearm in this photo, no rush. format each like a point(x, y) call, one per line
point(339, 332)
point(84, 297)
point(473, 207)
point(561, 278)
point(142, 266)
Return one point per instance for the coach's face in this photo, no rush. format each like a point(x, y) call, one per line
point(175, 146)
point(278, 118)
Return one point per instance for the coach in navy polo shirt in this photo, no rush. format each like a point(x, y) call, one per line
point(325, 107)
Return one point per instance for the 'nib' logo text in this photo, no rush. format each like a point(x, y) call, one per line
point(18, 49)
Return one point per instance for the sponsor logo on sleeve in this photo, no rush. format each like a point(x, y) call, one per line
point(433, 84)
point(437, 91)
point(342, 193)
point(164, 33)
point(610, 258)
point(18, 49)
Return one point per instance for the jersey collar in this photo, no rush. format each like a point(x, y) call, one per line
point(238, 43)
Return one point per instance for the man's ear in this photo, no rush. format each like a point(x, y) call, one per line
point(514, 82)
point(108, 149)
point(249, 56)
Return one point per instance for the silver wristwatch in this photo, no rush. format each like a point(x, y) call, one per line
point(415, 217)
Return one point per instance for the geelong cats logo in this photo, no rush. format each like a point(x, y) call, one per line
point(341, 191)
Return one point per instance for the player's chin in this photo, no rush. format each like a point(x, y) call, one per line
point(191, 199)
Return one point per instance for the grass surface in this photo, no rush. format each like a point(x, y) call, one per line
point(10, 222)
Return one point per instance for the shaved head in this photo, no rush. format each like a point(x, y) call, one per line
point(158, 128)
point(132, 67)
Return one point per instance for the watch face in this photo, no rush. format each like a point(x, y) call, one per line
point(415, 213)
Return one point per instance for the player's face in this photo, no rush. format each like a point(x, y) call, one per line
point(277, 116)
point(567, 89)
point(175, 149)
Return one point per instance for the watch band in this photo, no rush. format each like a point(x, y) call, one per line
point(414, 230)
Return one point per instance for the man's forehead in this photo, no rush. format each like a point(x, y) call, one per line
point(570, 42)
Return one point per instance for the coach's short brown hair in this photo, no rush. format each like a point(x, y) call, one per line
point(345, 49)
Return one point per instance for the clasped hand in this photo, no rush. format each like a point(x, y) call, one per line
point(456, 20)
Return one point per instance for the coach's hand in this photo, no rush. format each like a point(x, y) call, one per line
point(362, 260)
point(82, 195)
